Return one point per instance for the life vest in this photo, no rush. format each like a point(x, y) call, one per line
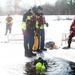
point(31, 22)
point(9, 19)
point(24, 21)
point(24, 25)
point(40, 21)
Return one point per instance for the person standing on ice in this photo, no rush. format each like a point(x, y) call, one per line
point(72, 34)
point(40, 28)
point(9, 22)
point(29, 28)
point(24, 20)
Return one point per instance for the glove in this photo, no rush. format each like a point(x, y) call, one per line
point(47, 24)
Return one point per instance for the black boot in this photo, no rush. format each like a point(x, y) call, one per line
point(68, 47)
point(5, 33)
point(39, 51)
point(33, 54)
point(28, 54)
point(44, 49)
point(26, 50)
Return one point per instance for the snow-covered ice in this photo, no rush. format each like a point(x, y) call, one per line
point(12, 60)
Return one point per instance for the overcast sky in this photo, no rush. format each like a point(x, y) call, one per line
point(32, 2)
point(39, 2)
point(28, 3)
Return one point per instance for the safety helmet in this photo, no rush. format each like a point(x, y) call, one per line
point(34, 9)
point(40, 68)
point(39, 7)
point(43, 69)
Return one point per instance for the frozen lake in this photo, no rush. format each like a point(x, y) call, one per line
point(12, 60)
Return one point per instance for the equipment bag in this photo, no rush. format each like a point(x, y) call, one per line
point(36, 43)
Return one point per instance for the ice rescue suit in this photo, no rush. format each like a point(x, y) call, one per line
point(72, 33)
point(31, 22)
point(40, 29)
point(25, 33)
point(29, 33)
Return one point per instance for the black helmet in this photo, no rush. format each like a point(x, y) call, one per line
point(39, 7)
point(34, 9)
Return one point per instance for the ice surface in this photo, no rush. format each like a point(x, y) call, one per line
point(12, 58)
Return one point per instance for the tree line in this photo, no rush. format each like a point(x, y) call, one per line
point(61, 7)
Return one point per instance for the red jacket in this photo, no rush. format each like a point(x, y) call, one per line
point(9, 19)
point(72, 27)
point(41, 20)
point(31, 23)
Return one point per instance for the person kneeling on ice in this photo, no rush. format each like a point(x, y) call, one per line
point(72, 34)
point(40, 65)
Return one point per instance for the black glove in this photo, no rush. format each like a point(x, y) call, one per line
point(47, 24)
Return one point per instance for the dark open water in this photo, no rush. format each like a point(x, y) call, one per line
point(56, 66)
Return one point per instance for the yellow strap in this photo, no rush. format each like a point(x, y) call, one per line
point(37, 24)
point(35, 46)
point(12, 21)
point(29, 17)
point(42, 27)
point(5, 21)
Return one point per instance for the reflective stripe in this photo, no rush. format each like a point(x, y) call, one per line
point(24, 25)
point(37, 24)
point(12, 21)
point(46, 22)
point(28, 18)
point(31, 19)
point(5, 21)
point(42, 27)
point(9, 22)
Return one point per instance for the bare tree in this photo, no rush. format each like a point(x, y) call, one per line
point(61, 7)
